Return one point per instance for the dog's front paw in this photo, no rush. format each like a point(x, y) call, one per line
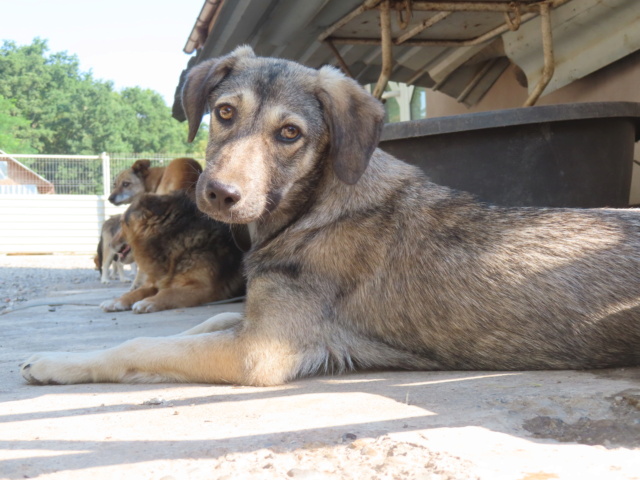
point(105, 281)
point(56, 368)
point(145, 306)
point(114, 306)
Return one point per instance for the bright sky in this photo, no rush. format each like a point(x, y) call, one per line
point(130, 42)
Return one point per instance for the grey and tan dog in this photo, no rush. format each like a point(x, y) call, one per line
point(357, 261)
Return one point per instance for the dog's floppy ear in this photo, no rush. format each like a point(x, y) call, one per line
point(355, 120)
point(201, 80)
point(141, 167)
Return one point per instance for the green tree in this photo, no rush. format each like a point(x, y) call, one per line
point(70, 112)
point(12, 127)
point(47, 105)
point(155, 131)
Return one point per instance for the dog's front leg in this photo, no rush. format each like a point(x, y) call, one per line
point(139, 279)
point(210, 358)
point(106, 271)
point(120, 269)
point(134, 274)
point(225, 355)
point(128, 299)
point(216, 323)
point(174, 297)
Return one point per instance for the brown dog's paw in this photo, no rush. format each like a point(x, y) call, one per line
point(145, 306)
point(55, 369)
point(114, 306)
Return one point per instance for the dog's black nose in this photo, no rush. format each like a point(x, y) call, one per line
point(222, 196)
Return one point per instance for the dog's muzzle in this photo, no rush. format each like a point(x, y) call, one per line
point(123, 253)
point(219, 196)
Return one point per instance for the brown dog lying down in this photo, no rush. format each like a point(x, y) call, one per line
point(358, 261)
point(141, 177)
point(189, 259)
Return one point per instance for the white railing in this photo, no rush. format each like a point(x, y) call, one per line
point(57, 203)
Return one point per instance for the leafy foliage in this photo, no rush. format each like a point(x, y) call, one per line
point(48, 105)
point(11, 124)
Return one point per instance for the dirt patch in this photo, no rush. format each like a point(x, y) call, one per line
point(382, 457)
point(621, 431)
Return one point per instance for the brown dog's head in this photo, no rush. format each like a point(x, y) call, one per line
point(276, 127)
point(121, 247)
point(130, 183)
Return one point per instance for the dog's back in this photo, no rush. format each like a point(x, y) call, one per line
point(487, 287)
point(180, 174)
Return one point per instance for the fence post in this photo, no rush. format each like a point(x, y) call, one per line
point(106, 174)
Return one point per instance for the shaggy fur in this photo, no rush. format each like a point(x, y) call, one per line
point(141, 177)
point(189, 259)
point(356, 260)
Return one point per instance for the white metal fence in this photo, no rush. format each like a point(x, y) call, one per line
point(57, 203)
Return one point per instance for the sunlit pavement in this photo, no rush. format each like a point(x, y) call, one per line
point(427, 425)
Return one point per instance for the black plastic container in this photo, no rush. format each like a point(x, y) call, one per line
point(573, 155)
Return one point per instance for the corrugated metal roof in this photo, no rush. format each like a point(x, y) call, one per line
point(291, 29)
point(587, 35)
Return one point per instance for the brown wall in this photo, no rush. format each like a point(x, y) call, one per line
point(619, 81)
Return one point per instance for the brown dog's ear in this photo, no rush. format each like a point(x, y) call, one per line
point(200, 82)
point(355, 120)
point(141, 167)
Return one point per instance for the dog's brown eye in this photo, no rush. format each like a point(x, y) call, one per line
point(225, 112)
point(289, 133)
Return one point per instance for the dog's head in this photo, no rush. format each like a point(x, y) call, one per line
point(276, 127)
point(119, 245)
point(130, 183)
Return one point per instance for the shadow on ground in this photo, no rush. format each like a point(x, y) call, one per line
point(458, 423)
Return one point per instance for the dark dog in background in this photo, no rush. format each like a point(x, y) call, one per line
point(141, 177)
point(180, 174)
point(189, 259)
point(357, 261)
point(111, 255)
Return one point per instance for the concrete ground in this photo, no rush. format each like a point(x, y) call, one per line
point(385, 425)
